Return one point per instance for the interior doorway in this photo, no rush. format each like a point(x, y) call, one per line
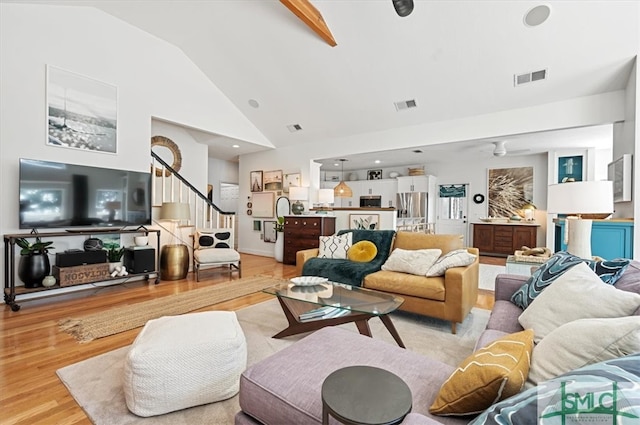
point(452, 211)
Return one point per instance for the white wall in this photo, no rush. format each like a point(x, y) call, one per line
point(592, 110)
point(154, 79)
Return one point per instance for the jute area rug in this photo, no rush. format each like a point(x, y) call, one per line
point(127, 317)
point(96, 383)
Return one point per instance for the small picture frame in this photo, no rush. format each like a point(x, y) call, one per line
point(273, 180)
point(364, 221)
point(374, 174)
point(257, 225)
point(291, 179)
point(255, 181)
point(269, 231)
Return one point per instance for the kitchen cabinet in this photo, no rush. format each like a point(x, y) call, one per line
point(415, 183)
point(303, 232)
point(386, 188)
point(503, 240)
point(609, 238)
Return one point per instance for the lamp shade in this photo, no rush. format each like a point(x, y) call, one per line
point(575, 198)
point(297, 193)
point(325, 196)
point(174, 211)
point(342, 191)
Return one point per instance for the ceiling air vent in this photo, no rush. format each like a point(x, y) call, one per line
point(529, 77)
point(405, 104)
point(294, 127)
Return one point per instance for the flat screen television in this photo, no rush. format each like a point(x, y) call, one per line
point(59, 195)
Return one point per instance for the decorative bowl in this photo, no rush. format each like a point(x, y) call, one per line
point(308, 280)
point(394, 174)
point(141, 240)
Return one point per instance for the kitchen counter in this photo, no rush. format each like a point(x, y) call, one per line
point(354, 209)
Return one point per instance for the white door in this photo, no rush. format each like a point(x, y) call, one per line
point(452, 206)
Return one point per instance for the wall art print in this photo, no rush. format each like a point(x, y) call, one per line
point(255, 179)
point(364, 221)
point(81, 112)
point(291, 179)
point(273, 180)
point(509, 190)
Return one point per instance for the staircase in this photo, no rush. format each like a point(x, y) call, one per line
point(169, 186)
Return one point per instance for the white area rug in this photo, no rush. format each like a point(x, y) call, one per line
point(96, 383)
point(488, 273)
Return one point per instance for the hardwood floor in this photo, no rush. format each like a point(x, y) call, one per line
point(33, 348)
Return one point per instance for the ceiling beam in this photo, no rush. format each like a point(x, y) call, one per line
point(308, 14)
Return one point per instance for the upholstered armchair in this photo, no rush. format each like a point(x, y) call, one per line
point(213, 248)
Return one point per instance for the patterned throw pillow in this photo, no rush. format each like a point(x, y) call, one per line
point(577, 294)
point(522, 408)
point(489, 375)
point(213, 238)
point(334, 246)
point(608, 271)
point(412, 261)
point(455, 258)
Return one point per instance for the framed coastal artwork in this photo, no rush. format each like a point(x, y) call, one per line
point(291, 179)
point(509, 190)
point(273, 180)
point(255, 180)
point(82, 113)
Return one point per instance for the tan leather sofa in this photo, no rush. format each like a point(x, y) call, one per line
point(449, 297)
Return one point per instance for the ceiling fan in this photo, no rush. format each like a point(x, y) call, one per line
point(500, 149)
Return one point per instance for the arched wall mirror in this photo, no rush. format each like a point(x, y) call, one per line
point(283, 206)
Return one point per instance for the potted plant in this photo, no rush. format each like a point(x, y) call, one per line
point(114, 256)
point(34, 262)
point(279, 247)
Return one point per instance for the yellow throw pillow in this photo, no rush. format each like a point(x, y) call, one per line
point(491, 374)
point(362, 252)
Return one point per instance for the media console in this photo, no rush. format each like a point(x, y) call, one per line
point(142, 261)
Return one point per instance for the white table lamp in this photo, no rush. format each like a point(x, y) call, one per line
point(297, 193)
point(325, 197)
point(576, 199)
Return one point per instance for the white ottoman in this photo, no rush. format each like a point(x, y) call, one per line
point(183, 361)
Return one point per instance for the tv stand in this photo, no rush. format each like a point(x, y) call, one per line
point(11, 292)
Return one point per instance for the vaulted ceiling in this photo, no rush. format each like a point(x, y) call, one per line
point(454, 58)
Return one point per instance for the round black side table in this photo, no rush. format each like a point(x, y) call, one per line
point(365, 395)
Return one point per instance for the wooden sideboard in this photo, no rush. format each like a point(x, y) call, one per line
point(502, 240)
point(303, 232)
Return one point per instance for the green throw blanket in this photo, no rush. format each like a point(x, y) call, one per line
point(351, 272)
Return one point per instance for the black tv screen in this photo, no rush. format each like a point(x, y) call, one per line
point(59, 195)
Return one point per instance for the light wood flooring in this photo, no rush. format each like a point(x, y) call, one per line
point(33, 348)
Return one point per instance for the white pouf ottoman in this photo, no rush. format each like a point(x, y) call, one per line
point(183, 361)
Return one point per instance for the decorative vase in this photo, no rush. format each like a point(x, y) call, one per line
point(279, 248)
point(48, 281)
point(113, 265)
point(33, 268)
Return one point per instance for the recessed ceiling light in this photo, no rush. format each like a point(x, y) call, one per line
point(235, 146)
point(377, 161)
point(537, 15)
point(254, 103)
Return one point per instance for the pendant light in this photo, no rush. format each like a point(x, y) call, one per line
point(342, 190)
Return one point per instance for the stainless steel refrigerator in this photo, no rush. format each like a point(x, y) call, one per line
point(412, 204)
point(414, 212)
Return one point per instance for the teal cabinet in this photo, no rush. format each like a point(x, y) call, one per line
point(609, 239)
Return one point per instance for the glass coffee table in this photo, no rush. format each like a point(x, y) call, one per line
point(312, 306)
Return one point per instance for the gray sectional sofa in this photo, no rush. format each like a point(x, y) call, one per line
point(285, 387)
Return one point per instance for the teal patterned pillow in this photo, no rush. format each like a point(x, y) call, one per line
point(522, 408)
point(608, 271)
